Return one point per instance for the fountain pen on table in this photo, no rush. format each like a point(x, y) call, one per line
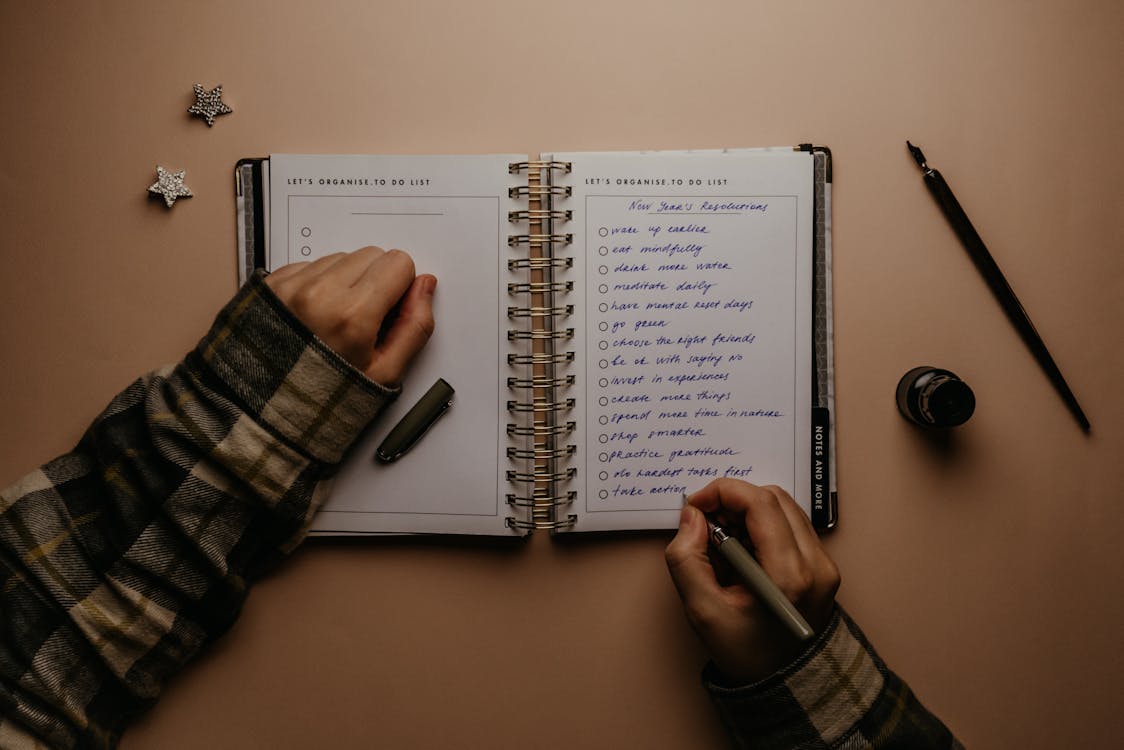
point(989, 269)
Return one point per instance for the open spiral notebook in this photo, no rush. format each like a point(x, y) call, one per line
point(620, 328)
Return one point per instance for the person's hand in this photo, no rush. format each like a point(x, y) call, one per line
point(745, 640)
point(367, 306)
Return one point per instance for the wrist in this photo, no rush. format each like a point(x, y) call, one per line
point(727, 679)
point(285, 375)
point(831, 686)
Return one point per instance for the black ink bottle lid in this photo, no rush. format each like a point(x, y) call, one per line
point(932, 397)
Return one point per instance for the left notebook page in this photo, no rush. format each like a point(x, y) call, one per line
point(450, 213)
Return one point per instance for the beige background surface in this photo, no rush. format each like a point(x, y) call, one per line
point(985, 567)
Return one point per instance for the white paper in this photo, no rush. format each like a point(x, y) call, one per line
point(693, 280)
point(450, 214)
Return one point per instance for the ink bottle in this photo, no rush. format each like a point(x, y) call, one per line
point(932, 397)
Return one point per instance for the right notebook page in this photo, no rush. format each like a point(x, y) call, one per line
point(692, 327)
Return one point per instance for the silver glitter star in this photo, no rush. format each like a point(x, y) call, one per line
point(170, 185)
point(208, 104)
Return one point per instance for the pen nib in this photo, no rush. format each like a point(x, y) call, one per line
point(917, 155)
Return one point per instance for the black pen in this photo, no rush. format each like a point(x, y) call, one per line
point(417, 422)
point(996, 281)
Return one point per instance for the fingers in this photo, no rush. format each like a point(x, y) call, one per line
point(383, 280)
point(786, 545)
point(339, 271)
point(349, 267)
point(688, 562)
point(800, 524)
point(824, 572)
point(759, 510)
point(746, 641)
point(346, 298)
point(407, 335)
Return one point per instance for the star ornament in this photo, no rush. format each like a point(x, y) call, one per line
point(208, 104)
point(170, 185)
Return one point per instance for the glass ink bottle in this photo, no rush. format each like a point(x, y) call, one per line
point(932, 397)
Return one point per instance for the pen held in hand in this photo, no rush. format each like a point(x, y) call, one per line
point(760, 585)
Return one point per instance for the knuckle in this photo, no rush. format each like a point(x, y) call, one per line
point(728, 486)
point(675, 554)
point(777, 493)
point(401, 259)
point(761, 499)
point(806, 581)
point(831, 576)
point(672, 556)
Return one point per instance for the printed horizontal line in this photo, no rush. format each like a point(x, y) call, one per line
point(393, 213)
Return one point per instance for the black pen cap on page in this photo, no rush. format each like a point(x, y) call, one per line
point(932, 397)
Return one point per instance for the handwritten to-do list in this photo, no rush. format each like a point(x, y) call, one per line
point(690, 345)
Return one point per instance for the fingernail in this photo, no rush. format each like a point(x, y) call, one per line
point(429, 284)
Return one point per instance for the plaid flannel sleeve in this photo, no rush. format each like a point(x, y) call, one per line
point(839, 694)
point(120, 560)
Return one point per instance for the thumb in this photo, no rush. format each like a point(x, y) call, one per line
point(687, 559)
point(407, 335)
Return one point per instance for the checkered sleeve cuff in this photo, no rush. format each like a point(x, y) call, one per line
point(838, 694)
point(287, 377)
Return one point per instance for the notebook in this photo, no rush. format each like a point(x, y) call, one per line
point(620, 328)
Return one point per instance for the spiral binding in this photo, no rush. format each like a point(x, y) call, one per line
point(541, 406)
point(540, 287)
point(540, 382)
point(539, 399)
point(539, 428)
point(539, 264)
point(540, 312)
point(539, 240)
point(559, 476)
point(539, 191)
point(539, 166)
point(568, 333)
point(539, 215)
point(540, 358)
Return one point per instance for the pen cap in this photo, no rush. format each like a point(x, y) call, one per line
point(417, 421)
point(932, 397)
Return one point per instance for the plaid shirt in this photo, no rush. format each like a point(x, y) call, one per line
point(121, 560)
point(839, 694)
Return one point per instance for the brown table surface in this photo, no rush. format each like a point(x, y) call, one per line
point(986, 566)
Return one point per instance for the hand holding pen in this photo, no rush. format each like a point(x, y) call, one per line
point(746, 638)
